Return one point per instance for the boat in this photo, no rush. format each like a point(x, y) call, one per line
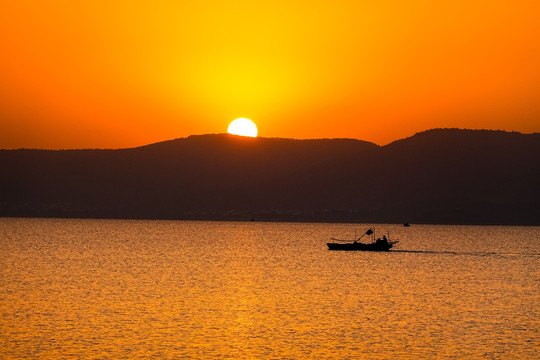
point(378, 244)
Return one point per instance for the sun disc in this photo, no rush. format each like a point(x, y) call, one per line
point(242, 127)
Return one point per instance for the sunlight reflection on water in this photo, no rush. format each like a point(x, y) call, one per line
point(171, 289)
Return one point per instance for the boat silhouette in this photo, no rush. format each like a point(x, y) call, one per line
point(378, 244)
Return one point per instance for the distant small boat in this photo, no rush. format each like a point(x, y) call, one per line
point(355, 245)
point(406, 224)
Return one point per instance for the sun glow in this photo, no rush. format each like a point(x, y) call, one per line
point(243, 127)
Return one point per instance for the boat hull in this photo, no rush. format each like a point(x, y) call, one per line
point(357, 246)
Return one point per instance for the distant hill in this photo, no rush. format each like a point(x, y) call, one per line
point(445, 176)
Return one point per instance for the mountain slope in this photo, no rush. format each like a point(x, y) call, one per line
point(438, 176)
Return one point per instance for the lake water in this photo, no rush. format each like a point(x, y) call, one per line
point(121, 289)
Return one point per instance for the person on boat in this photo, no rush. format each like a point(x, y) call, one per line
point(384, 238)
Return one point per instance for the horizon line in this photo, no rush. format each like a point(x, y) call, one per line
point(248, 138)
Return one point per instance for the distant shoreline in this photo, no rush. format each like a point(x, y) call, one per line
point(268, 221)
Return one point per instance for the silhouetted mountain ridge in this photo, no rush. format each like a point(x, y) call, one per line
point(437, 176)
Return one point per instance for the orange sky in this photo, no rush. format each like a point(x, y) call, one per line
point(111, 74)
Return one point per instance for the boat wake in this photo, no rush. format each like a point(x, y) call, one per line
point(459, 253)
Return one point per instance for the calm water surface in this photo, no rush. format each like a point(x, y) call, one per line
point(107, 289)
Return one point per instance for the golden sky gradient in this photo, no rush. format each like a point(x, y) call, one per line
point(111, 74)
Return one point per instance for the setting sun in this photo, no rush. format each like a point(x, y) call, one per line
point(243, 127)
